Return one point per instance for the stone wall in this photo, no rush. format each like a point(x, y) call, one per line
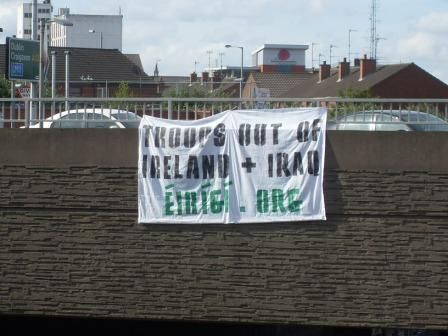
point(70, 244)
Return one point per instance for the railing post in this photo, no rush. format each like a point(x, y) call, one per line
point(27, 113)
point(170, 109)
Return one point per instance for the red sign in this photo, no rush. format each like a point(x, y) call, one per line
point(283, 55)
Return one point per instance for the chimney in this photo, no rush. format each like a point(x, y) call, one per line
point(344, 69)
point(193, 77)
point(366, 67)
point(324, 71)
point(205, 77)
point(216, 79)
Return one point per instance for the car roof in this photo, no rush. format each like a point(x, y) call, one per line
point(107, 112)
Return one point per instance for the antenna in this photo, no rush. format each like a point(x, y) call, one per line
point(349, 53)
point(312, 54)
point(320, 55)
point(331, 48)
point(373, 36)
point(209, 52)
point(221, 54)
point(195, 63)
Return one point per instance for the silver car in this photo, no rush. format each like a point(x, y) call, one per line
point(91, 118)
point(390, 120)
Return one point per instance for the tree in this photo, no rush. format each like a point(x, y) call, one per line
point(123, 91)
point(5, 88)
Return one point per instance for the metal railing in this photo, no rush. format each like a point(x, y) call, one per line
point(24, 113)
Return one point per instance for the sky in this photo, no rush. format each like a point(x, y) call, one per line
point(179, 33)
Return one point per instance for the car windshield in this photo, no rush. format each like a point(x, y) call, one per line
point(420, 121)
point(128, 119)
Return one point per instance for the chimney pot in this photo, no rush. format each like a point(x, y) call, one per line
point(344, 69)
point(324, 71)
point(366, 67)
point(193, 77)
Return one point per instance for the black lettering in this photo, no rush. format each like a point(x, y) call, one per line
point(174, 137)
point(147, 130)
point(193, 167)
point(177, 175)
point(190, 137)
point(315, 129)
point(203, 134)
point(275, 133)
point(282, 164)
point(223, 165)
point(155, 167)
point(297, 165)
point(159, 140)
point(220, 135)
point(166, 167)
point(144, 165)
point(313, 163)
point(260, 134)
point(244, 134)
point(303, 130)
point(270, 165)
point(208, 166)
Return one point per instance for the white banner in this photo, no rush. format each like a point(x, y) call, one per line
point(234, 167)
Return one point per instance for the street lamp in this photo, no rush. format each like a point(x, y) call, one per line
point(241, 69)
point(92, 31)
point(43, 34)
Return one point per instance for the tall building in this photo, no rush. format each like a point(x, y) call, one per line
point(87, 31)
point(25, 18)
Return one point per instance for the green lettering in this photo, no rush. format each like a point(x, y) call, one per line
point(262, 201)
point(277, 200)
point(179, 202)
point(168, 203)
point(190, 203)
point(215, 203)
point(204, 202)
point(293, 203)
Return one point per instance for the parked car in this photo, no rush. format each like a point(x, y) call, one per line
point(390, 120)
point(92, 118)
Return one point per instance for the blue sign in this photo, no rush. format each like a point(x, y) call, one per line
point(16, 70)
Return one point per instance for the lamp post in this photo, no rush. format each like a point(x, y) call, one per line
point(92, 31)
point(43, 34)
point(241, 68)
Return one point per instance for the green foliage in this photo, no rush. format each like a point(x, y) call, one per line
point(123, 91)
point(354, 93)
point(193, 91)
point(5, 88)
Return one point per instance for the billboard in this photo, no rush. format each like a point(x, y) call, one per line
point(23, 59)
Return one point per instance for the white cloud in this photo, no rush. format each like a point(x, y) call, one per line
point(8, 18)
point(434, 23)
point(427, 46)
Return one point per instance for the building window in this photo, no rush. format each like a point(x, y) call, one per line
point(27, 15)
point(27, 31)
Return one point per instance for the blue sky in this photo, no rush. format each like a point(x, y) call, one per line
point(180, 32)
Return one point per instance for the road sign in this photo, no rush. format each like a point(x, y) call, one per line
point(23, 59)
